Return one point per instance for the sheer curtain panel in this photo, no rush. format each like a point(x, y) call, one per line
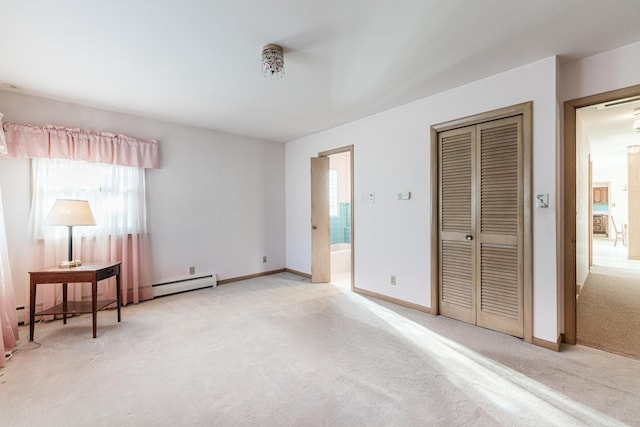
point(8, 319)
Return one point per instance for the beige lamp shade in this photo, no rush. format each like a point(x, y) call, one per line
point(70, 212)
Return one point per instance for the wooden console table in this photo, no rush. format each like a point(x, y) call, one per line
point(82, 274)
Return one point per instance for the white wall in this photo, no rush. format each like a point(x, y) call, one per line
point(614, 69)
point(391, 154)
point(583, 217)
point(216, 203)
point(233, 186)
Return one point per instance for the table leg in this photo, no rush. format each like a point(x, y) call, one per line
point(64, 303)
point(32, 308)
point(118, 292)
point(94, 305)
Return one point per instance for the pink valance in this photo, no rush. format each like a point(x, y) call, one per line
point(57, 142)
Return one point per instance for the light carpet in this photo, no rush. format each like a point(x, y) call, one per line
point(608, 311)
point(279, 351)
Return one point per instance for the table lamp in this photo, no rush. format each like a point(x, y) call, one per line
point(69, 213)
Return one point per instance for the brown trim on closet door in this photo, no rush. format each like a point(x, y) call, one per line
point(526, 110)
point(435, 225)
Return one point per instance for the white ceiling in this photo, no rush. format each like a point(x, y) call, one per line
point(196, 62)
point(609, 129)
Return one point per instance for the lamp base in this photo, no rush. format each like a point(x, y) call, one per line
point(69, 264)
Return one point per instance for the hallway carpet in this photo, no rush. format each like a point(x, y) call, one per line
point(279, 351)
point(608, 311)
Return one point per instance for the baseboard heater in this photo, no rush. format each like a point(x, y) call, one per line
point(184, 285)
point(21, 315)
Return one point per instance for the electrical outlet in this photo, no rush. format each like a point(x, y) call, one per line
point(192, 270)
point(393, 280)
point(264, 258)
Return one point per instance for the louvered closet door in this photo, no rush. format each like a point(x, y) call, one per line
point(499, 303)
point(481, 225)
point(457, 221)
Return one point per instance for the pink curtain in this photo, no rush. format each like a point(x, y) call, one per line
point(55, 142)
point(135, 278)
point(133, 251)
point(129, 247)
point(8, 320)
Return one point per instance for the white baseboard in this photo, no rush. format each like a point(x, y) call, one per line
point(184, 285)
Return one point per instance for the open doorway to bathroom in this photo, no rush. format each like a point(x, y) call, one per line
point(341, 215)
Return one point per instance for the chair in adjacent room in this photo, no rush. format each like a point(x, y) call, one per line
point(619, 230)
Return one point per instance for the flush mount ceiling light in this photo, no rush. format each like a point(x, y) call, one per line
point(272, 61)
point(636, 124)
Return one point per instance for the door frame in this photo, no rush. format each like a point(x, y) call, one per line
point(569, 200)
point(590, 212)
point(526, 111)
point(327, 153)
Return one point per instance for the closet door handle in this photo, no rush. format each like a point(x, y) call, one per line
point(469, 237)
point(314, 227)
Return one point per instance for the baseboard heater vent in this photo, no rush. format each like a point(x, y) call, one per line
point(177, 286)
point(21, 315)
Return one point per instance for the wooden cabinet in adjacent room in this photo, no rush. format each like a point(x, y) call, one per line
point(600, 195)
point(600, 224)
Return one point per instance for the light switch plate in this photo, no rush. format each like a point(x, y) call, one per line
point(542, 200)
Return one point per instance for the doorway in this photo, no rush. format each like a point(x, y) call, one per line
point(332, 251)
point(601, 297)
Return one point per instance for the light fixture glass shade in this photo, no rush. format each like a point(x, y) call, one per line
point(272, 61)
point(636, 125)
point(70, 212)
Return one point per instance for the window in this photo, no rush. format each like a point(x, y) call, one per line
point(333, 193)
point(116, 195)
